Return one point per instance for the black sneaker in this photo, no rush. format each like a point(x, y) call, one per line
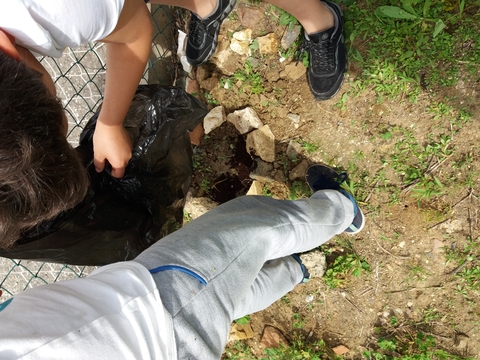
point(327, 57)
point(203, 33)
point(322, 177)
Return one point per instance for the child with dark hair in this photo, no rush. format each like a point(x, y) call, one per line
point(40, 174)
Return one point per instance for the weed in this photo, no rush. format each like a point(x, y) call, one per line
point(342, 102)
point(197, 161)
point(415, 163)
point(243, 320)
point(298, 322)
point(267, 190)
point(417, 271)
point(439, 109)
point(205, 185)
point(298, 349)
point(344, 265)
point(299, 190)
point(308, 147)
point(393, 321)
point(470, 276)
point(287, 20)
point(286, 300)
point(408, 49)
point(292, 50)
point(210, 99)
point(430, 314)
point(238, 351)
point(254, 45)
point(248, 80)
point(428, 189)
point(421, 347)
point(186, 217)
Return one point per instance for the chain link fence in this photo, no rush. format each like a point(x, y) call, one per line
point(79, 78)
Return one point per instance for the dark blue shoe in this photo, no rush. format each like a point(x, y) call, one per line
point(306, 274)
point(322, 177)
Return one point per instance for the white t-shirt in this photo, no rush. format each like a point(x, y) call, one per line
point(47, 27)
point(114, 313)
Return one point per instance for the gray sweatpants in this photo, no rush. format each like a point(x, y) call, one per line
point(234, 261)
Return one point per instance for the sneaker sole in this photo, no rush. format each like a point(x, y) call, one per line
point(222, 17)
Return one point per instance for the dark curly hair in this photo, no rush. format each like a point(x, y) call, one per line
point(40, 173)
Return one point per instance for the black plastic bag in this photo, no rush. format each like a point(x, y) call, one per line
point(119, 218)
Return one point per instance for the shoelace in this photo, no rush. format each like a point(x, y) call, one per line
point(322, 55)
point(197, 30)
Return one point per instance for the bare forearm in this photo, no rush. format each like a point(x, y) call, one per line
point(128, 48)
point(125, 66)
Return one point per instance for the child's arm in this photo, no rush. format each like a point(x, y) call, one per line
point(128, 49)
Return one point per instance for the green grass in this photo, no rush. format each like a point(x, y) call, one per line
point(297, 349)
point(433, 45)
point(416, 163)
point(419, 347)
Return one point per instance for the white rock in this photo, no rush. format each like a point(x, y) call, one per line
point(268, 44)
point(261, 142)
point(240, 47)
point(256, 188)
point(315, 262)
point(244, 35)
point(309, 298)
point(245, 120)
point(298, 171)
point(196, 207)
point(214, 119)
point(290, 36)
point(294, 118)
point(293, 149)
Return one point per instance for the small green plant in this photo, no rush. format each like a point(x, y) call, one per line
point(421, 347)
point(210, 99)
point(298, 322)
point(286, 300)
point(186, 217)
point(415, 163)
point(427, 188)
point(342, 102)
point(343, 266)
point(239, 351)
point(299, 190)
point(248, 79)
point(409, 13)
point(267, 190)
point(298, 349)
point(308, 147)
point(243, 320)
point(205, 185)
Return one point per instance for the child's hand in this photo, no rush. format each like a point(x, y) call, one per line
point(112, 143)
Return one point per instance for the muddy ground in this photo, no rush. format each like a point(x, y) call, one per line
point(409, 244)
